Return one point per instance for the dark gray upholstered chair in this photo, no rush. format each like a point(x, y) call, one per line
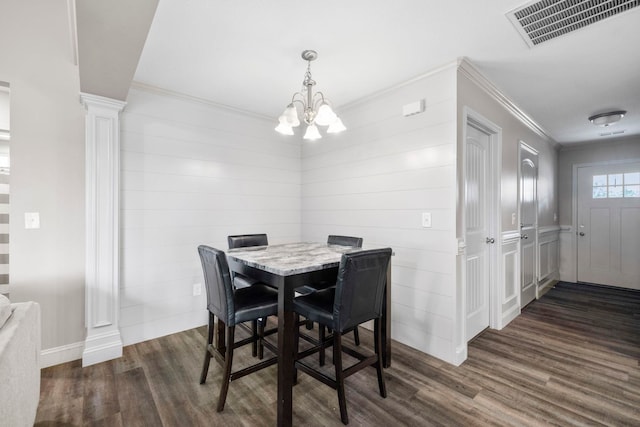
point(233, 307)
point(355, 242)
point(247, 240)
point(244, 241)
point(356, 298)
point(345, 241)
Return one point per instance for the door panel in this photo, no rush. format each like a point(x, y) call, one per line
point(528, 223)
point(608, 230)
point(477, 231)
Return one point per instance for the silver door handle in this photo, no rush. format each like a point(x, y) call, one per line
point(490, 240)
point(524, 236)
point(582, 233)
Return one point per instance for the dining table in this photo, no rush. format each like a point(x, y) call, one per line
point(287, 267)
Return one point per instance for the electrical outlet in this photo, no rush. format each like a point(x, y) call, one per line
point(197, 289)
point(31, 220)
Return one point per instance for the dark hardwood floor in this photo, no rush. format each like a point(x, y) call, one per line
point(571, 358)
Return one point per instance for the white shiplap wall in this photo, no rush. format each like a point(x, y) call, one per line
point(375, 180)
point(193, 173)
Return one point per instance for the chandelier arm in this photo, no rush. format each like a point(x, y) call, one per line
point(300, 95)
point(318, 100)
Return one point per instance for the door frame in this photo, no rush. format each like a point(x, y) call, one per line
point(473, 118)
point(574, 206)
point(536, 250)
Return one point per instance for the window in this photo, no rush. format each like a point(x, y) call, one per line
point(616, 185)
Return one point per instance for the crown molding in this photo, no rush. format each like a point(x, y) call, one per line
point(73, 30)
point(473, 74)
point(179, 95)
point(367, 98)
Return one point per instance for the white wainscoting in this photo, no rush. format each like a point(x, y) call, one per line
point(375, 180)
point(548, 257)
point(193, 173)
point(510, 278)
point(568, 256)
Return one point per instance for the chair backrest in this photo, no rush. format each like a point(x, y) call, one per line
point(217, 283)
point(246, 240)
point(345, 241)
point(362, 278)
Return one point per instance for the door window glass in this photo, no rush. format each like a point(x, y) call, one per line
point(616, 185)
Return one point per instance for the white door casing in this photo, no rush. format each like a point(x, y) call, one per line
point(478, 229)
point(608, 225)
point(528, 206)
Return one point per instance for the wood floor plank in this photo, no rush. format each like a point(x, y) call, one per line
point(101, 397)
point(571, 358)
point(137, 407)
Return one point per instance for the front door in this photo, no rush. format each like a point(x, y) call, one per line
point(528, 223)
point(608, 230)
point(477, 230)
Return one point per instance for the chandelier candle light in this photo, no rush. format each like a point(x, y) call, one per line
point(316, 109)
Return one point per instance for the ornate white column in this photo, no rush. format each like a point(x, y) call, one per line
point(102, 299)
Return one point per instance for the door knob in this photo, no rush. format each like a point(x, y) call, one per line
point(524, 236)
point(490, 240)
point(582, 233)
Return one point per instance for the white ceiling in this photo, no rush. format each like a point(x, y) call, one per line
point(246, 54)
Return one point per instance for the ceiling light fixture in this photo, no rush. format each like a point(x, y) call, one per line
point(607, 119)
point(315, 108)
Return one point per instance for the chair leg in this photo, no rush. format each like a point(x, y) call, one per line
point(378, 349)
point(337, 362)
point(296, 342)
point(254, 334)
point(321, 338)
point(261, 323)
point(207, 354)
point(228, 360)
point(356, 336)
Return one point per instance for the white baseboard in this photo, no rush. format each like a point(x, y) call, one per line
point(511, 314)
point(461, 355)
point(545, 286)
point(102, 347)
point(63, 354)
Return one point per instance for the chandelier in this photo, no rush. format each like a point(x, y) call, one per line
point(316, 110)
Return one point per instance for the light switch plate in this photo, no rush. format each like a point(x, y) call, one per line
point(197, 289)
point(31, 220)
point(426, 219)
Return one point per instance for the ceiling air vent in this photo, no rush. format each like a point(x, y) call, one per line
point(540, 21)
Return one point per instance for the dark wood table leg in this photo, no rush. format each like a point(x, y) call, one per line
point(286, 353)
point(386, 322)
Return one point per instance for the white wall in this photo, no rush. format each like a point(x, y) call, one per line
point(514, 130)
point(608, 150)
point(47, 165)
point(375, 180)
point(192, 174)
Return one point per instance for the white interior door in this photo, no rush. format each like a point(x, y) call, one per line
point(608, 214)
point(477, 230)
point(528, 223)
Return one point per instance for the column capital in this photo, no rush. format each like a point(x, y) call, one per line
point(90, 100)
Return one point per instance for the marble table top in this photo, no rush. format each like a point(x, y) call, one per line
point(292, 258)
